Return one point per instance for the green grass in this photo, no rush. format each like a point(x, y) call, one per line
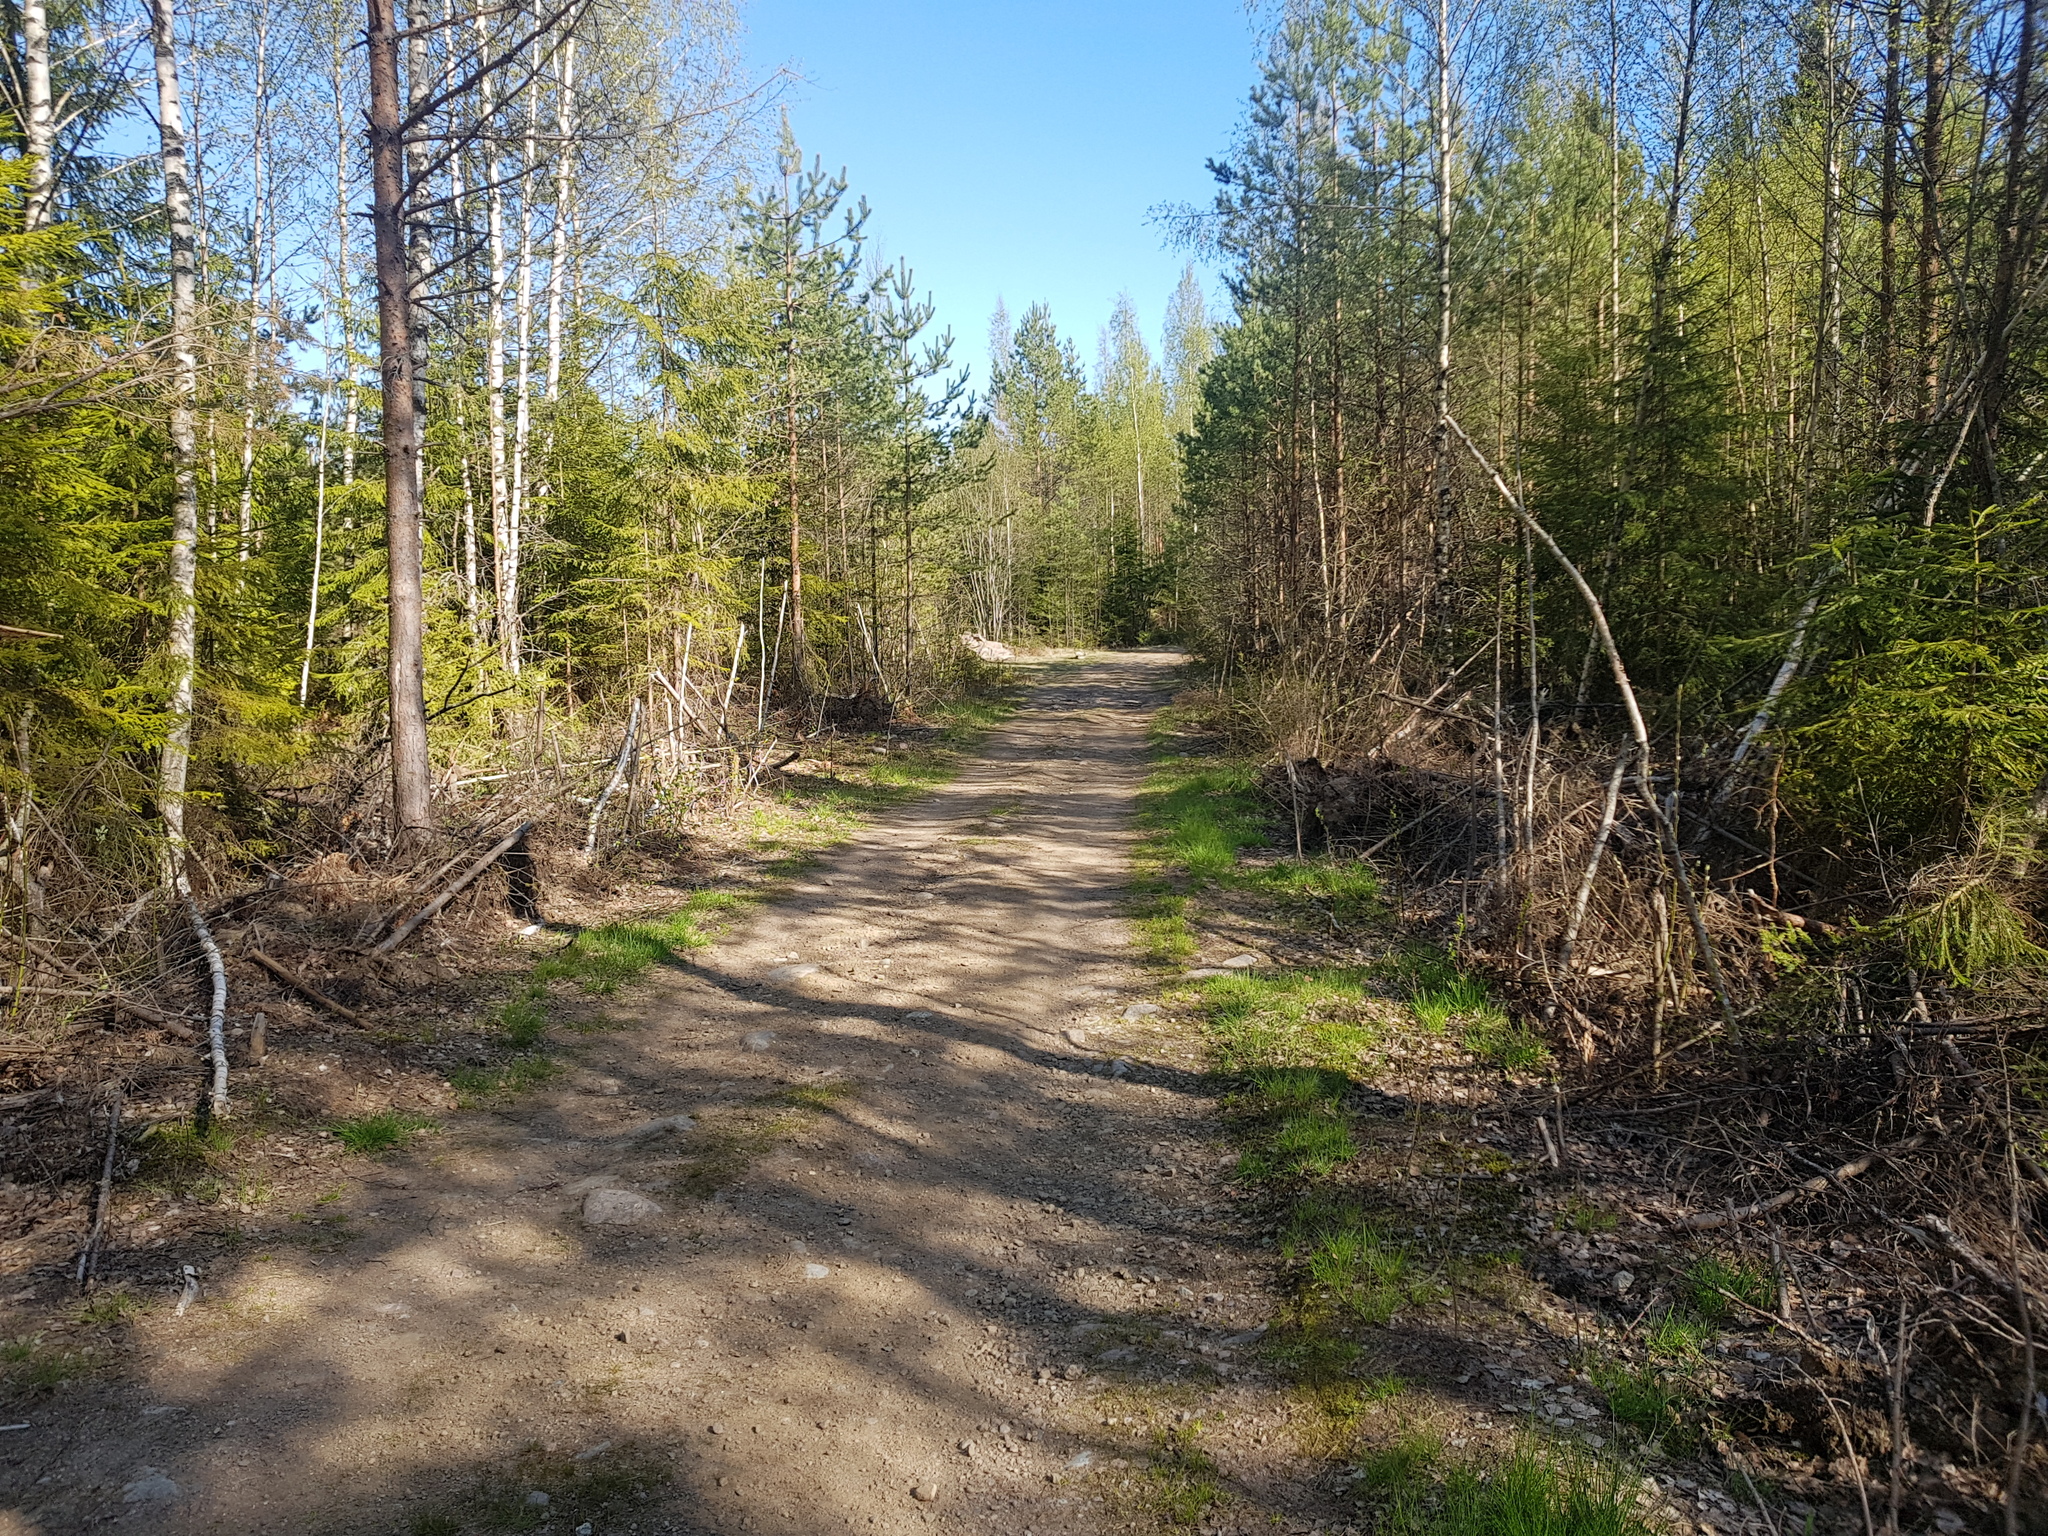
point(1401, 1466)
point(1492, 1036)
point(1311, 1145)
point(1326, 1017)
point(603, 959)
point(1701, 1284)
point(1183, 1483)
point(1645, 1400)
point(382, 1132)
point(1347, 890)
point(1538, 1491)
point(1349, 1263)
point(110, 1309)
point(479, 1085)
point(1678, 1336)
point(603, 1491)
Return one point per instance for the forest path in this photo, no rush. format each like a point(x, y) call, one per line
point(924, 1191)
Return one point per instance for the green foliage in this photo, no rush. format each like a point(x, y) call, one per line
point(1514, 1047)
point(385, 1131)
point(1538, 1491)
point(110, 1309)
point(1301, 1146)
point(1402, 1465)
point(1678, 1336)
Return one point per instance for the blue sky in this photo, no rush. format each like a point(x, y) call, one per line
point(1017, 150)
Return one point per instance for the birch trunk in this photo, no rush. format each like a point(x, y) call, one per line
point(183, 619)
point(39, 131)
point(245, 511)
point(522, 421)
point(504, 530)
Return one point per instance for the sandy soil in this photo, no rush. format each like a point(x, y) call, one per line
point(918, 1206)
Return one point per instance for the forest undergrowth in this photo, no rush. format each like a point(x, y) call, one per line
point(1531, 1287)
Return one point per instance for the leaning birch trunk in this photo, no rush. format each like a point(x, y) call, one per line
point(39, 126)
point(182, 625)
point(217, 1014)
point(1708, 955)
point(620, 768)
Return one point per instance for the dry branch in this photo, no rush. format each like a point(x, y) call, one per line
point(405, 929)
point(305, 989)
point(1813, 1186)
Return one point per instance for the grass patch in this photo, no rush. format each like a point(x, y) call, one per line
point(1200, 813)
point(1341, 1409)
point(378, 1133)
point(110, 1309)
point(603, 959)
point(1347, 890)
point(34, 1368)
point(1183, 1482)
point(1408, 1461)
point(1324, 1017)
point(1492, 1036)
point(1350, 1264)
point(1539, 1490)
point(1304, 1146)
point(480, 1085)
point(1701, 1285)
point(1677, 1336)
point(1582, 1215)
point(1644, 1400)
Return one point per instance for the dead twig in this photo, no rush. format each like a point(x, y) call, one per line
point(405, 929)
point(1705, 1220)
point(90, 1255)
point(305, 989)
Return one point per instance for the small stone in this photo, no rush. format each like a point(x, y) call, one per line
point(1205, 973)
point(584, 1529)
point(667, 1125)
point(150, 1488)
point(1240, 962)
point(718, 1429)
point(592, 1452)
point(792, 972)
point(919, 1013)
point(1081, 1461)
point(924, 1493)
point(1622, 1281)
point(1077, 1037)
point(816, 1271)
point(1121, 1067)
point(538, 1500)
point(617, 1208)
point(966, 1447)
point(1073, 1373)
point(759, 1040)
point(1141, 1010)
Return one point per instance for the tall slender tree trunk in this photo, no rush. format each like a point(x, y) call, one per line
point(522, 322)
point(2015, 240)
point(1890, 130)
point(182, 642)
point(1933, 125)
point(245, 515)
point(504, 524)
point(344, 270)
point(1446, 495)
point(39, 130)
point(412, 810)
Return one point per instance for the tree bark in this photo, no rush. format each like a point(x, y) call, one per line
point(411, 773)
point(182, 642)
point(39, 130)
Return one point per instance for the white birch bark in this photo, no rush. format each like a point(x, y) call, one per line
point(182, 620)
point(39, 132)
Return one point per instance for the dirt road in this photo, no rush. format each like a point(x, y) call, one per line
point(866, 1283)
